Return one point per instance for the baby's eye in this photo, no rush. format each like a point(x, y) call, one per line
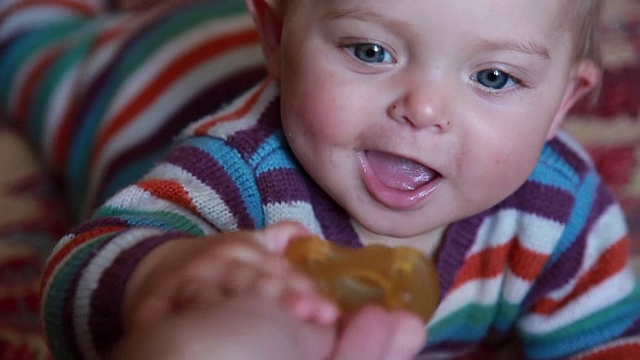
point(495, 79)
point(371, 53)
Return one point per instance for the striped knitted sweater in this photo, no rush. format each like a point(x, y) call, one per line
point(535, 266)
point(103, 94)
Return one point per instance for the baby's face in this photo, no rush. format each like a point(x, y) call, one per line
point(414, 114)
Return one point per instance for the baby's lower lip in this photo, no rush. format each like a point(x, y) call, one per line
point(392, 197)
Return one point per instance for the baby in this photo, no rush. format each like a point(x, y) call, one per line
point(434, 124)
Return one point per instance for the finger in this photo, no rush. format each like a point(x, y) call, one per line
point(313, 307)
point(239, 250)
point(408, 335)
point(154, 305)
point(277, 237)
point(149, 311)
point(251, 253)
point(365, 335)
point(240, 278)
point(272, 276)
point(197, 294)
point(220, 262)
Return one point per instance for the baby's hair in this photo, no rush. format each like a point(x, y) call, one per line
point(586, 17)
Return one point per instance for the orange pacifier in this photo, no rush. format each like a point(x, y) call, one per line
point(395, 278)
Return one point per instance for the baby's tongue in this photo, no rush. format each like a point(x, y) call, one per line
point(397, 172)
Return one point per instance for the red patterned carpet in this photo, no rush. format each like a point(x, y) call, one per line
point(32, 218)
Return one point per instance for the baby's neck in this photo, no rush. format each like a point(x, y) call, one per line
point(427, 243)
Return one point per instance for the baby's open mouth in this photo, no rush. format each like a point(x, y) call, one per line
point(398, 172)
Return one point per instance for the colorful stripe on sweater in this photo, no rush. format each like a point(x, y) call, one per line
point(104, 95)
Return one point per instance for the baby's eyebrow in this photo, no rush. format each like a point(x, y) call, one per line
point(529, 48)
point(359, 14)
point(363, 15)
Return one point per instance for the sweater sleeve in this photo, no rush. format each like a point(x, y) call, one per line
point(51, 56)
point(103, 94)
point(188, 194)
point(29, 32)
point(203, 185)
point(586, 302)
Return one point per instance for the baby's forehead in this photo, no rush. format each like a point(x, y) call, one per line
point(564, 8)
point(564, 11)
point(522, 21)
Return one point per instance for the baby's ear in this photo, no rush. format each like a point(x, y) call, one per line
point(585, 76)
point(269, 25)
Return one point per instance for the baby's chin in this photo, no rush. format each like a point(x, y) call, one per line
point(403, 233)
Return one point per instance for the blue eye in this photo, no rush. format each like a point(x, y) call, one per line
point(371, 53)
point(494, 79)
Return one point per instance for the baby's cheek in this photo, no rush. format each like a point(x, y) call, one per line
point(513, 167)
point(493, 174)
point(501, 159)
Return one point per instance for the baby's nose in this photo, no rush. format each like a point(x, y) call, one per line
point(422, 107)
